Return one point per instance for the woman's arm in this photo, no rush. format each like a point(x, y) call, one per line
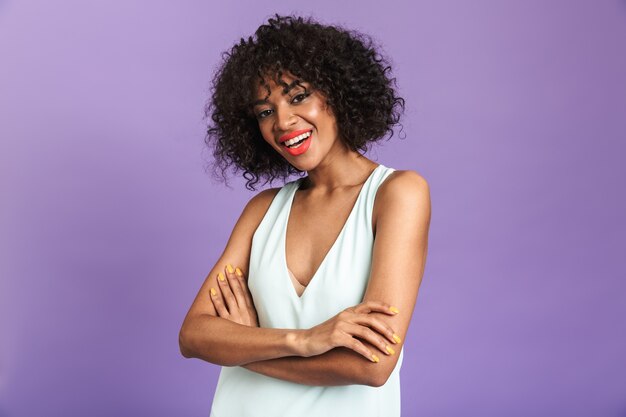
point(339, 366)
point(223, 341)
point(331, 366)
point(402, 218)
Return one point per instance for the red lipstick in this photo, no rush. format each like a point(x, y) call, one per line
point(302, 147)
point(292, 135)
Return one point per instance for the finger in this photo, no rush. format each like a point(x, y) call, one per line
point(235, 286)
point(244, 287)
point(375, 339)
point(379, 326)
point(216, 298)
point(376, 306)
point(227, 293)
point(352, 343)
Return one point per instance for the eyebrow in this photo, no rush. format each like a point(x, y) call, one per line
point(259, 102)
point(287, 88)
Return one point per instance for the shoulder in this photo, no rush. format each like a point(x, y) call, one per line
point(403, 194)
point(262, 199)
point(403, 187)
point(238, 247)
point(258, 205)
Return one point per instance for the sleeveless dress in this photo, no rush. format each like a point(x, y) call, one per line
point(339, 282)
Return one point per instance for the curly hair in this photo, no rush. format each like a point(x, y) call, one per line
point(342, 64)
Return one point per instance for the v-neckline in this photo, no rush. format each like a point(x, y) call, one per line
point(332, 247)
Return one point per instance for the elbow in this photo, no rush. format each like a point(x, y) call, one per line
point(377, 375)
point(192, 345)
point(364, 372)
point(184, 344)
point(377, 379)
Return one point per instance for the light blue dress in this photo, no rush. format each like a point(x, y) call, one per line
point(339, 282)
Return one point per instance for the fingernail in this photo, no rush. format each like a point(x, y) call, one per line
point(229, 268)
point(213, 292)
point(239, 272)
point(394, 309)
point(221, 276)
point(375, 358)
point(390, 350)
point(396, 338)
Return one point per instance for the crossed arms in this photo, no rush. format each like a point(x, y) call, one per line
point(221, 327)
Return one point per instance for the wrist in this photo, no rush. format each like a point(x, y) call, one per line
point(296, 342)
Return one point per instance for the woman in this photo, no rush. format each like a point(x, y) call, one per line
point(308, 305)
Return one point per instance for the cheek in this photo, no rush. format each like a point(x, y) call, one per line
point(315, 111)
point(269, 140)
point(320, 115)
point(268, 135)
point(265, 133)
point(325, 119)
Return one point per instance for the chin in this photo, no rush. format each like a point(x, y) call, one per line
point(303, 166)
point(299, 161)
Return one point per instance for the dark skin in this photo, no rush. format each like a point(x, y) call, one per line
point(339, 351)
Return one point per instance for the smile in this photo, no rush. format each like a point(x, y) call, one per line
point(299, 144)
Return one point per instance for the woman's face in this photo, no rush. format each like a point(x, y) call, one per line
point(296, 122)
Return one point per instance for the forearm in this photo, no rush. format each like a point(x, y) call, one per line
point(339, 366)
point(226, 343)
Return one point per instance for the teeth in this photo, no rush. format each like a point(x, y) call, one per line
point(297, 138)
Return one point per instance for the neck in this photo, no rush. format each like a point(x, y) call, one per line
point(339, 169)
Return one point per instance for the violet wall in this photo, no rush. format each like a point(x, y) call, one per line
point(516, 115)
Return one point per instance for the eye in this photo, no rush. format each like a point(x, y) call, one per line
point(299, 97)
point(263, 114)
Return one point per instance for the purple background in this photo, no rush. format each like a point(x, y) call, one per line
point(516, 115)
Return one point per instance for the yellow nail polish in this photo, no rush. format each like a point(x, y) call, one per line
point(375, 358)
point(213, 292)
point(220, 276)
point(390, 350)
point(239, 271)
point(229, 268)
point(394, 310)
point(396, 338)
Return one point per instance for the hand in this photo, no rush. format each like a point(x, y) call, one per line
point(353, 322)
point(232, 299)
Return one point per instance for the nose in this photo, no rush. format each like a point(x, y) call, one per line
point(285, 119)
